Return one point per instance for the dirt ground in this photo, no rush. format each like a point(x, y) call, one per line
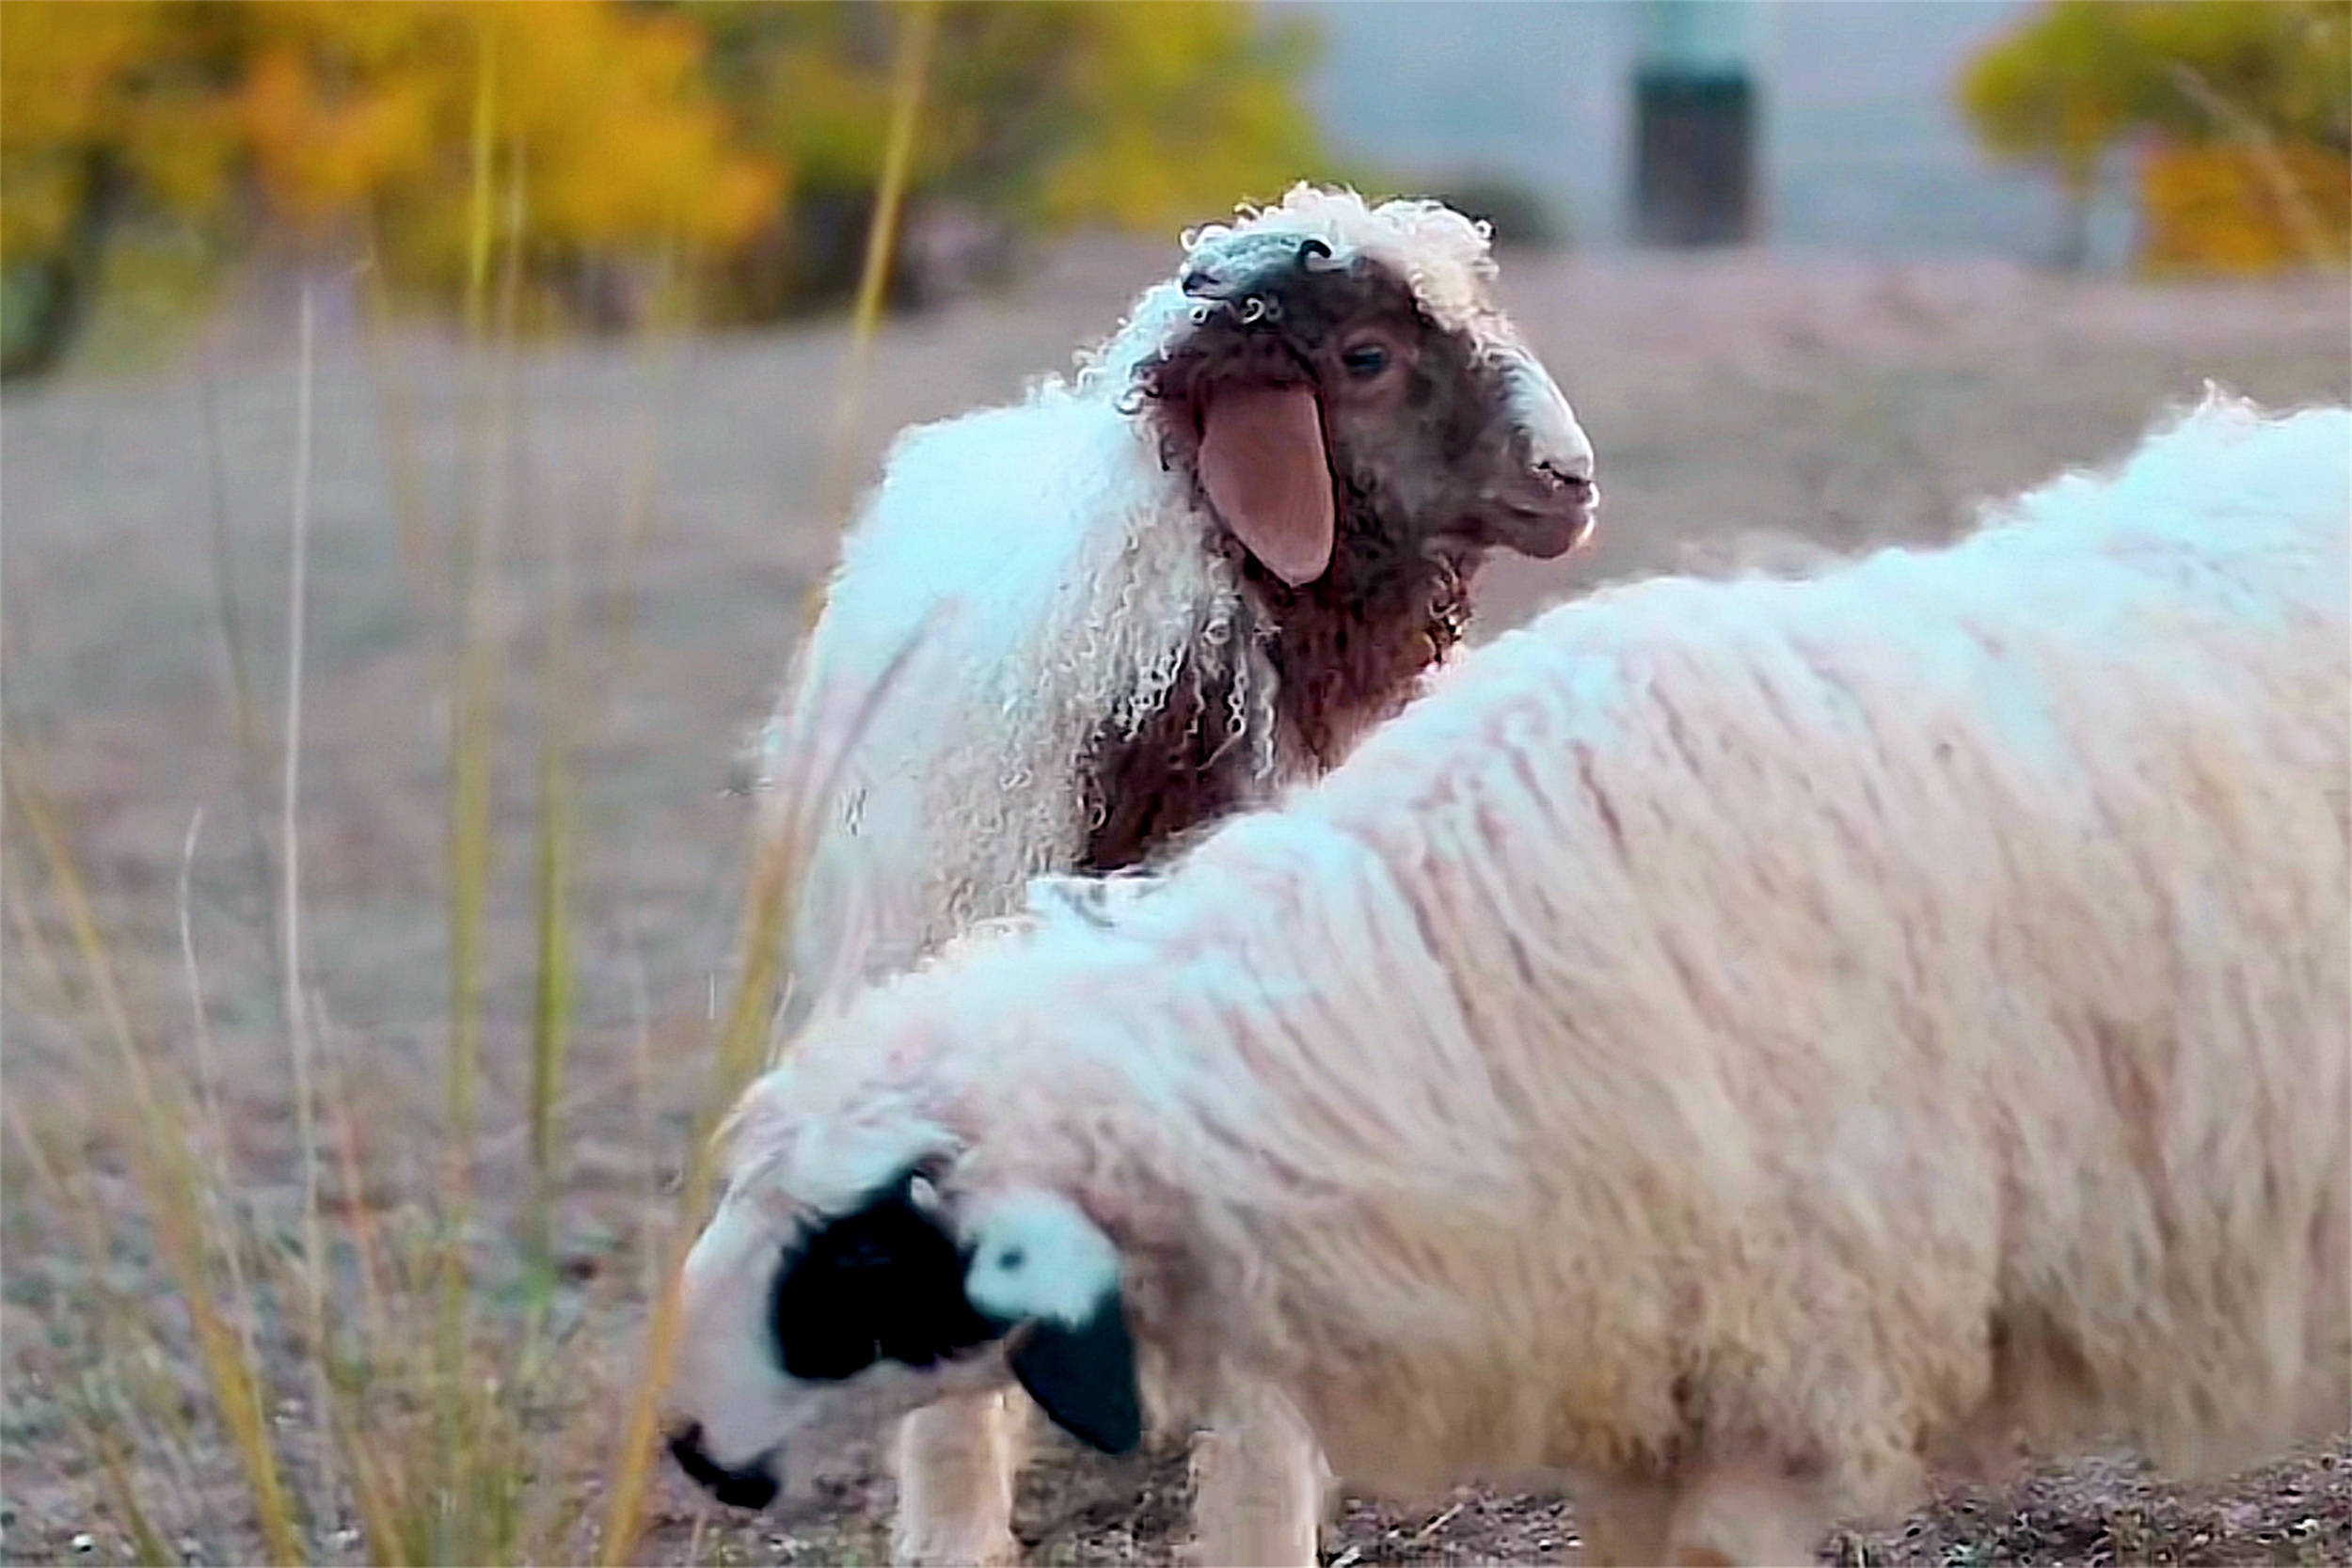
point(673, 497)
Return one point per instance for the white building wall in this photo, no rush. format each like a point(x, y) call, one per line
point(1863, 147)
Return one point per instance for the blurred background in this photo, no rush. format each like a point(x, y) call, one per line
point(159, 154)
point(423, 424)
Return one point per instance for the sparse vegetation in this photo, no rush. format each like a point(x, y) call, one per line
point(419, 1392)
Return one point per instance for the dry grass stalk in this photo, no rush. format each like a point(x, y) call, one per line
point(777, 864)
point(153, 1136)
point(290, 842)
point(429, 1443)
point(552, 995)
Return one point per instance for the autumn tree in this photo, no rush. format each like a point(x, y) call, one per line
point(2269, 82)
point(743, 139)
point(1041, 115)
point(101, 108)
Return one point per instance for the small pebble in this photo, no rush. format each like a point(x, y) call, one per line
point(84, 1541)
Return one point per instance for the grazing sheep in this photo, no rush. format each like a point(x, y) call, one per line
point(1239, 539)
point(1730, 1046)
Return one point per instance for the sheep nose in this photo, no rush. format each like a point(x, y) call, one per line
point(753, 1487)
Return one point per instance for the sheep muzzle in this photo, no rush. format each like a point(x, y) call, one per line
point(753, 1487)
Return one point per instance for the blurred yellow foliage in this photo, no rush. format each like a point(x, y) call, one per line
point(338, 113)
point(89, 92)
point(733, 132)
point(2232, 209)
point(1156, 80)
point(2051, 92)
point(2271, 82)
point(1147, 114)
point(1142, 114)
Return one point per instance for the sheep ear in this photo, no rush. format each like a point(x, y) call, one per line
point(1547, 505)
point(1085, 1378)
point(1264, 467)
point(1038, 1260)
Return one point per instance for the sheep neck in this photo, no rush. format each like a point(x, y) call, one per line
point(1346, 651)
point(1350, 648)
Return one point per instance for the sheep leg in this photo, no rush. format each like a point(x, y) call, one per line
point(957, 1461)
point(1727, 1514)
point(1715, 1515)
point(1260, 1486)
point(1624, 1523)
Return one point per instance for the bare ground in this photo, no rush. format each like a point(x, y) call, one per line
point(1734, 399)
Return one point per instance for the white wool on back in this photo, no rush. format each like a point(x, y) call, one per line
point(1838, 1017)
point(1062, 594)
point(1059, 575)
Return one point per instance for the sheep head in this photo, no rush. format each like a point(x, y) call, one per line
point(830, 1304)
point(1334, 375)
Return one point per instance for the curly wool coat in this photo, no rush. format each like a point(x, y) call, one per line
point(1731, 1044)
point(1105, 664)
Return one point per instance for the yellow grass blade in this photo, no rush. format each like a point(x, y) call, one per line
point(244, 710)
point(660, 360)
point(910, 68)
point(101, 1439)
point(290, 847)
point(774, 874)
point(168, 1173)
point(396, 413)
point(208, 1086)
point(552, 998)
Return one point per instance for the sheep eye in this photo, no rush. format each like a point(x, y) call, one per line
point(1365, 360)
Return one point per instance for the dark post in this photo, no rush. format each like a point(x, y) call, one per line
point(1694, 123)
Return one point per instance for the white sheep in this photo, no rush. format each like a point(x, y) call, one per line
point(1147, 598)
point(1730, 1046)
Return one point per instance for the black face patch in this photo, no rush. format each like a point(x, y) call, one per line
point(884, 1283)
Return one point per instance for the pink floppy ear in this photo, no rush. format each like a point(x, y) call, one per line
point(1262, 464)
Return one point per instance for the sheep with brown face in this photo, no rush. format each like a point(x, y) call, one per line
point(1362, 462)
point(1148, 597)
